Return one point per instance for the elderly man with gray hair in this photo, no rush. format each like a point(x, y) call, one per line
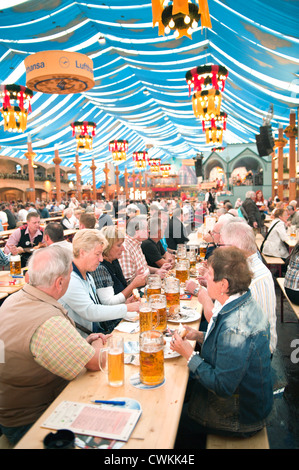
point(43, 350)
point(252, 211)
point(262, 288)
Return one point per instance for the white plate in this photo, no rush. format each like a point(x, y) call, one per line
point(185, 315)
point(168, 353)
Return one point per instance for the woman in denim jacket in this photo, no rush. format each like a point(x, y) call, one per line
point(231, 388)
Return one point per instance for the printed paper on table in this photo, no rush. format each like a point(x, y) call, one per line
point(94, 420)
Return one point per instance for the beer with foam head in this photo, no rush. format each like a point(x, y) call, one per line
point(159, 313)
point(151, 358)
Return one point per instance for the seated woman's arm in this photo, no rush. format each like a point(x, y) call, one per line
point(78, 299)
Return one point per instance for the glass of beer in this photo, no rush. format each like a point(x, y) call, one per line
point(153, 285)
point(182, 270)
point(191, 256)
point(203, 250)
point(15, 265)
point(113, 361)
point(151, 358)
point(159, 312)
point(181, 251)
point(172, 291)
point(145, 317)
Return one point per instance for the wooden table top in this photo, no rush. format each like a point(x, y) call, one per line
point(161, 407)
point(11, 284)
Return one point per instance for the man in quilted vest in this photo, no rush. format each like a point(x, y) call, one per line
point(41, 348)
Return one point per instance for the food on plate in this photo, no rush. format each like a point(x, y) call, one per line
point(182, 331)
point(136, 294)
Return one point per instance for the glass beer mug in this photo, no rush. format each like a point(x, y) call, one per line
point(182, 271)
point(181, 251)
point(151, 355)
point(113, 362)
point(15, 265)
point(203, 250)
point(153, 285)
point(172, 292)
point(145, 317)
point(159, 313)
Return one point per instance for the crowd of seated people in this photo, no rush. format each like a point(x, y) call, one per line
point(89, 287)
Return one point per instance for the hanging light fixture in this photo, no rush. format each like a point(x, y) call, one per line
point(16, 106)
point(206, 81)
point(214, 128)
point(180, 16)
point(119, 149)
point(84, 131)
point(165, 169)
point(154, 164)
point(204, 77)
point(140, 159)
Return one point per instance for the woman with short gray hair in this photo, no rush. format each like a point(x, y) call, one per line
point(81, 299)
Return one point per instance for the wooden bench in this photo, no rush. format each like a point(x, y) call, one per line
point(258, 441)
point(283, 295)
point(4, 443)
point(268, 260)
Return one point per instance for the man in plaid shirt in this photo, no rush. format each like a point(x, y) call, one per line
point(132, 259)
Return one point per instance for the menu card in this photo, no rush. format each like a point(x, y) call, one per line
point(112, 423)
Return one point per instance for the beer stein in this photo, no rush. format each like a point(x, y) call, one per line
point(153, 285)
point(181, 251)
point(182, 270)
point(113, 365)
point(15, 265)
point(172, 292)
point(159, 313)
point(203, 250)
point(191, 256)
point(146, 317)
point(151, 356)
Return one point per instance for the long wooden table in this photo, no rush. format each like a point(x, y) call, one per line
point(161, 407)
point(9, 287)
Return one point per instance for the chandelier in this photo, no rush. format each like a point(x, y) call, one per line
point(84, 131)
point(16, 106)
point(214, 128)
point(119, 149)
point(180, 16)
point(154, 164)
point(165, 169)
point(207, 80)
point(206, 104)
point(140, 159)
point(207, 76)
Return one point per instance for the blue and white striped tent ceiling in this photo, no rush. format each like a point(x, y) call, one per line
point(140, 91)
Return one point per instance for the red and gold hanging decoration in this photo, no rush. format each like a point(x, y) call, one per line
point(180, 16)
point(119, 149)
point(16, 106)
point(165, 169)
point(208, 82)
point(154, 164)
point(84, 131)
point(140, 159)
point(214, 128)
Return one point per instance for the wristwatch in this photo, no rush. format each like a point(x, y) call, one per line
point(196, 290)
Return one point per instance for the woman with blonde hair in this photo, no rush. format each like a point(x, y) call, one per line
point(81, 300)
point(112, 288)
